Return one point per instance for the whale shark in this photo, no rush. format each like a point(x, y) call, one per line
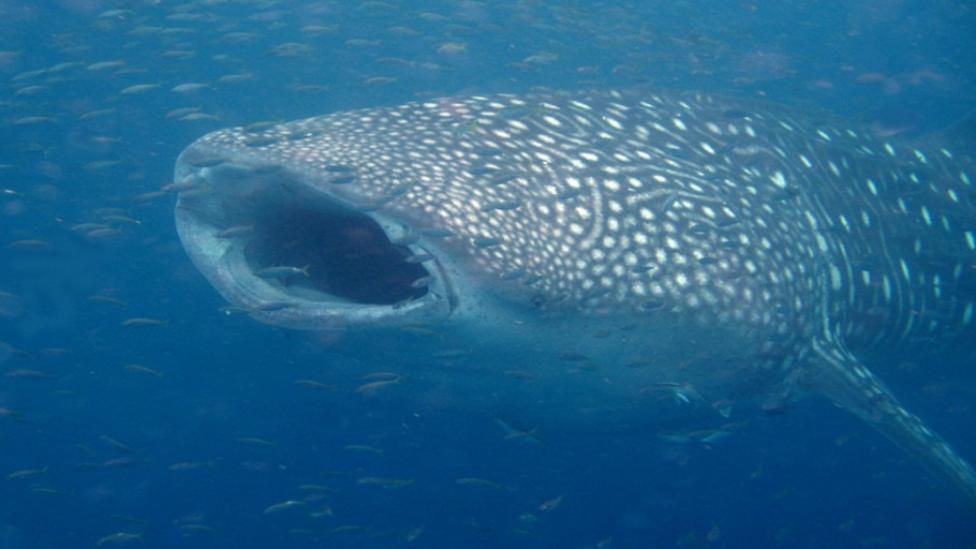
point(600, 257)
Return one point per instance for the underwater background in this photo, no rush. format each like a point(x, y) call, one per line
point(134, 412)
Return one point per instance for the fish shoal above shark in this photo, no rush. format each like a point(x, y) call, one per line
point(720, 249)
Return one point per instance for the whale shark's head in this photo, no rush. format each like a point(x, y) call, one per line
point(362, 219)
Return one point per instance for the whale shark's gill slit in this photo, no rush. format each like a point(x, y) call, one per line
point(344, 254)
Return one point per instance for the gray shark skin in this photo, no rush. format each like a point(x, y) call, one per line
point(580, 256)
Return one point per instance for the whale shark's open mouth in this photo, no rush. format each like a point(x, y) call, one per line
point(280, 247)
point(344, 255)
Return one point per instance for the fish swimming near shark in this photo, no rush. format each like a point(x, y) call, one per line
point(578, 254)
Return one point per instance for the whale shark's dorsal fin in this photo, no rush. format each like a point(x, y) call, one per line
point(841, 377)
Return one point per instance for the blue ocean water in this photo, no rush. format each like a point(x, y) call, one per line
point(192, 431)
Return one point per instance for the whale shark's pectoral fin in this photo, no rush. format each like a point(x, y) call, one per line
point(841, 377)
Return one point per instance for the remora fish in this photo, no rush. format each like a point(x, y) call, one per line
point(744, 251)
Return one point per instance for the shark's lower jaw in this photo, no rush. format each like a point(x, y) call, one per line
point(278, 247)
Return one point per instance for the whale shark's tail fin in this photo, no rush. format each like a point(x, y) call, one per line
point(843, 379)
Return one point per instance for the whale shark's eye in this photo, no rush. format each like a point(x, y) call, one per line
point(334, 251)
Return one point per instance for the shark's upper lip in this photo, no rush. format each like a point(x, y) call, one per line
point(280, 246)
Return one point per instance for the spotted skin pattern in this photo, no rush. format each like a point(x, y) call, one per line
point(801, 227)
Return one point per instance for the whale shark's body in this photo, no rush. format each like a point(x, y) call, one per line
point(580, 255)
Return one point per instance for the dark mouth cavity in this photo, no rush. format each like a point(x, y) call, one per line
point(334, 251)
